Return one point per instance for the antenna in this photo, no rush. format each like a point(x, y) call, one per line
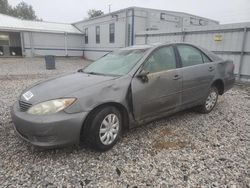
point(109, 8)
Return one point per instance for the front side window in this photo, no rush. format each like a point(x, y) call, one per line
point(97, 30)
point(86, 36)
point(162, 16)
point(116, 63)
point(161, 60)
point(112, 33)
point(189, 55)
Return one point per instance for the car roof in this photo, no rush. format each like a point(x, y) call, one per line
point(151, 45)
point(213, 56)
point(137, 47)
point(143, 46)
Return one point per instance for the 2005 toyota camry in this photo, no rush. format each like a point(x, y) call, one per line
point(125, 88)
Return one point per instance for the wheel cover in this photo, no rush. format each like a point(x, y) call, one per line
point(211, 100)
point(109, 129)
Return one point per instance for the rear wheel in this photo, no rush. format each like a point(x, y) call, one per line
point(210, 102)
point(103, 129)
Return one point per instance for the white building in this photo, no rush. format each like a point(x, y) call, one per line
point(117, 29)
point(93, 37)
point(32, 38)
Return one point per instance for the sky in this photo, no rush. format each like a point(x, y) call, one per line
point(69, 11)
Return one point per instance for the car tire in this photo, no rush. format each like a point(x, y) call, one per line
point(103, 129)
point(210, 102)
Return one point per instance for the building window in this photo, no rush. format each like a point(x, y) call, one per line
point(97, 32)
point(129, 34)
point(86, 36)
point(163, 15)
point(112, 33)
point(196, 21)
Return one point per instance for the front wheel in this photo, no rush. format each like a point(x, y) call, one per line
point(103, 129)
point(210, 102)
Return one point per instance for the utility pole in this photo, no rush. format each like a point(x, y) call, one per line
point(109, 8)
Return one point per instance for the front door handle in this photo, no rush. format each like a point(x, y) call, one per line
point(176, 77)
point(210, 69)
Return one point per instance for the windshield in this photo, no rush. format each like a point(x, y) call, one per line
point(116, 63)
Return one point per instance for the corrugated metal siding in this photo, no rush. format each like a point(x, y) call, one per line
point(230, 41)
point(156, 39)
point(40, 44)
point(94, 55)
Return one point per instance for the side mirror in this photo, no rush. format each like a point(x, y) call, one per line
point(143, 76)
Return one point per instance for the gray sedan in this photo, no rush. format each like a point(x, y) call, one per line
point(124, 89)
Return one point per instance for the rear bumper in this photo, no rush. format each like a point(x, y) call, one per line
point(48, 131)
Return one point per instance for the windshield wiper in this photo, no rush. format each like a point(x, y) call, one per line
point(96, 73)
point(80, 70)
point(93, 73)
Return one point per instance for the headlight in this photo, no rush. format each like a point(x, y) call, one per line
point(50, 107)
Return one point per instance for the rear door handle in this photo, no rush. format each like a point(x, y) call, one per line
point(210, 69)
point(176, 77)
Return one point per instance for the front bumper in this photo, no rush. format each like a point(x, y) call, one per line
point(48, 131)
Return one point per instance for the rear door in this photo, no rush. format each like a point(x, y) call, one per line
point(198, 73)
point(161, 92)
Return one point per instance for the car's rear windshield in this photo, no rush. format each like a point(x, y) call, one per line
point(116, 63)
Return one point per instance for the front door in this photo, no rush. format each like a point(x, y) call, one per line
point(161, 92)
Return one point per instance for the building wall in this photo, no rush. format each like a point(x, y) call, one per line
point(151, 19)
point(93, 50)
point(58, 44)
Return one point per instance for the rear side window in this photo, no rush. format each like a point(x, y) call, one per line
point(189, 55)
point(160, 60)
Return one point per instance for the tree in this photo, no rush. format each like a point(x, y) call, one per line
point(22, 10)
point(94, 13)
point(5, 7)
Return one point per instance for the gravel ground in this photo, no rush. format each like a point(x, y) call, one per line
point(185, 150)
point(36, 66)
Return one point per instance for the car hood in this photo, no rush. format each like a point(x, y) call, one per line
point(62, 86)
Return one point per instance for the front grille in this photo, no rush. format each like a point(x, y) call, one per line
point(24, 106)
